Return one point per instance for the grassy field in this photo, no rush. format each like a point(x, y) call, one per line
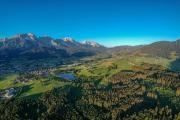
point(32, 87)
point(38, 87)
point(103, 69)
point(160, 61)
point(6, 81)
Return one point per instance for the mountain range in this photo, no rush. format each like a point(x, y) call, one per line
point(30, 46)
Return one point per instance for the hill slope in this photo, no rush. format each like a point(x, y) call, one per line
point(162, 48)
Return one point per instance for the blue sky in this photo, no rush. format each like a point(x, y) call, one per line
point(109, 22)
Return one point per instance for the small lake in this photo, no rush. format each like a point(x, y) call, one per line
point(69, 76)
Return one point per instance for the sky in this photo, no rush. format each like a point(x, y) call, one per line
point(109, 22)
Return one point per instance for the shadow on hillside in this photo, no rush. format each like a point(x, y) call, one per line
point(34, 96)
point(26, 88)
point(2, 78)
point(147, 103)
point(175, 65)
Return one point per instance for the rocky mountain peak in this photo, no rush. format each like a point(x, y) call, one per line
point(26, 36)
point(91, 43)
point(68, 39)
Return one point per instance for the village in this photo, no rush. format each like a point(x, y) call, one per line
point(31, 74)
point(10, 92)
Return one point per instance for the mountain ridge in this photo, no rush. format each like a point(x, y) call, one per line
point(21, 44)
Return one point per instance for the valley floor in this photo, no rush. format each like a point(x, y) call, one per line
point(115, 87)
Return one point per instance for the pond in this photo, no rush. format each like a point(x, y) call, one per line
point(69, 76)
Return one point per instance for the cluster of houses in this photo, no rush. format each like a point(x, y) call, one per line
point(33, 75)
point(43, 72)
point(9, 93)
point(8, 67)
